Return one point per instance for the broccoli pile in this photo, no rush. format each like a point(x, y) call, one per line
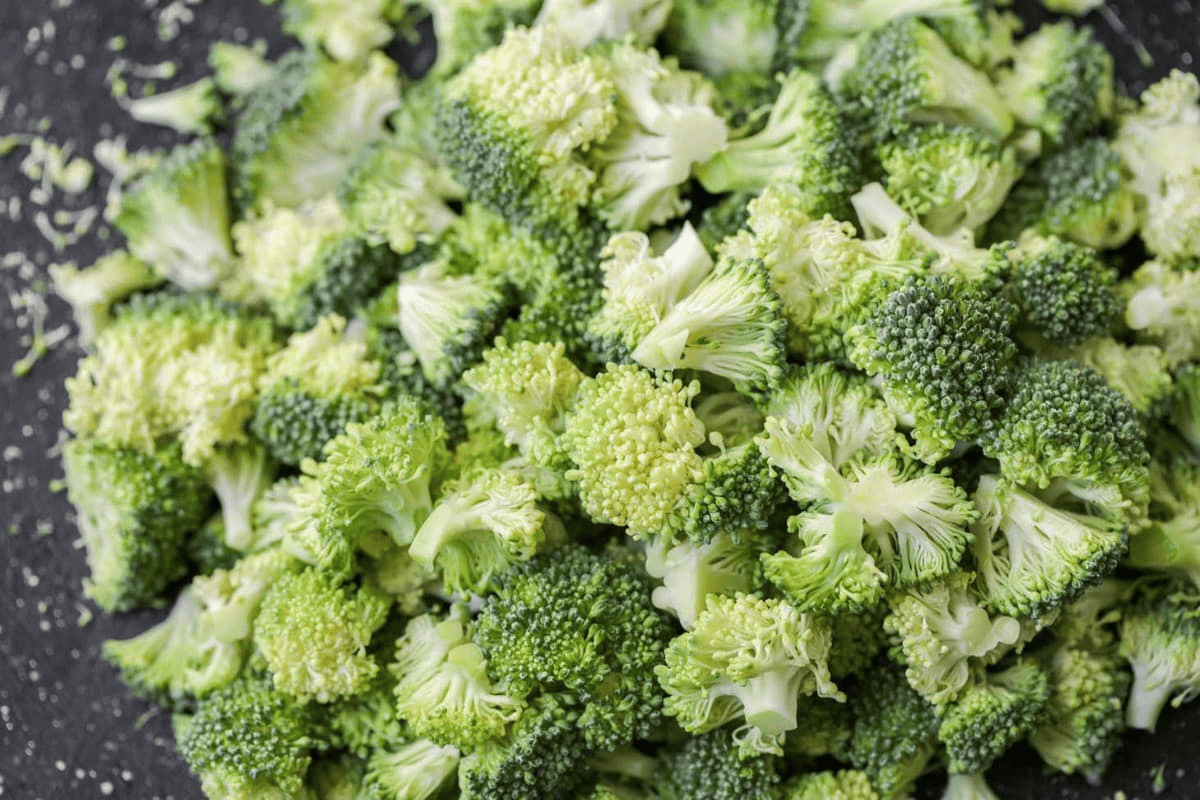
point(765, 415)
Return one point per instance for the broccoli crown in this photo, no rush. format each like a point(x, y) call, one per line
point(313, 632)
point(738, 490)
point(950, 176)
point(749, 658)
point(1138, 371)
point(1063, 423)
point(846, 784)
point(135, 512)
point(906, 73)
point(249, 741)
point(1061, 82)
point(176, 216)
point(941, 350)
point(1160, 638)
point(991, 716)
point(575, 624)
point(804, 142)
point(1077, 192)
point(295, 425)
point(313, 112)
point(1064, 291)
point(709, 766)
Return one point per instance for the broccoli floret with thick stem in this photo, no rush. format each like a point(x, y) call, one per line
point(347, 29)
point(415, 770)
point(322, 380)
point(805, 143)
point(238, 475)
point(1162, 307)
point(176, 217)
point(941, 351)
point(1065, 429)
point(1159, 143)
point(1077, 192)
point(710, 766)
point(465, 28)
point(750, 659)
point(894, 734)
point(588, 21)
point(1031, 555)
point(135, 511)
point(481, 524)
point(666, 124)
point(513, 126)
point(906, 73)
point(1083, 720)
point(93, 290)
point(312, 631)
point(1160, 638)
point(392, 193)
point(582, 626)
point(948, 176)
point(991, 716)
point(306, 263)
point(1060, 82)
point(940, 631)
point(203, 643)
point(448, 320)
point(442, 688)
point(1065, 293)
point(249, 741)
point(314, 113)
point(846, 784)
point(1171, 540)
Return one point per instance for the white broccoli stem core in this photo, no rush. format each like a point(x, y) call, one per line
point(1147, 697)
point(769, 699)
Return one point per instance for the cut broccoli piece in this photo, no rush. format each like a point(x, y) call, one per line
point(990, 717)
point(93, 290)
point(1066, 294)
point(416, 770)
point(1170, 542)
point(710, 766)
point(192, 108)
point(588, 21)
point(237, 69)
point(347, 29)
point(1163, 308)
point(846, 784)
point(1160, 638)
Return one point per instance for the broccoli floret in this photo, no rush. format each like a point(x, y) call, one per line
point(312, 632)
point(249, 741)
point(192, 108)
point(941, 630)
point(829, 25)
point(940, 349)
point(1171, 541)
point(1138, 371)
point(135, 511)
point(239, 474)
point(722, 38)
point(709, 766)
point(93, 290)
point(751, 659)
point(1185, 405)
point(1159, 144)
point(805, 143)
point(1160, 638)
point(238, 69)
point(465, 28)
point(582, 626)
point(990, 717)
point(948, 176)
point(1060, 82)
point(366, 722)
point(176, 217)
point(1032, 555)
point(1065, 293)
point(906, 73)
point(846, 784)
point(312, 112)
point(737, 490)
point(1163, 308)
point(400, 375)
point(1077, 192)
point(442, 688)
point(1065, 429)
point(587, 21)
point(481, 524)
point(347, 29)
point(416, 770)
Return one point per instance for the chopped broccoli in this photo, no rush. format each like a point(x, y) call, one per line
point(588, 21)
point(710, 766)
point(92, 291)
point(989, 717)
point(1162, 307)
point(846, 784)
point(1170, 542)
point(347, 29)
point(1065, 293)
point(465, 28)
point(692, 573)
point(1160, 638)
point(415, 770)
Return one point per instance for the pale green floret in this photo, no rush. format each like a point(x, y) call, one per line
point(415, 771)
point(1137, 371)
point(481, 524)
point(1061, 82)
point(1163, 308)
point(448, 320)
point(693, 573)
point(846, 784)
point(442, 688)
point(940, 631)
point(633, 441)
point(719, 37)
point(239, 474)
point(91, 291)
point(188, 109)
point(1159, 143)
point(529, 387)
point(1160, 638)
point(751, 659)
point(347, 29)
point(948, 176)
point(831, 25)
point(176, 217)
point(237, 69)
point(665, 126)
point(1032, 556)
point(588, 21)
point(1171, 541)
point(992, 716)
point(313, 632)
point(969, 786)
point(327, 360)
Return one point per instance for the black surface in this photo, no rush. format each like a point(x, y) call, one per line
point(68, 727)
